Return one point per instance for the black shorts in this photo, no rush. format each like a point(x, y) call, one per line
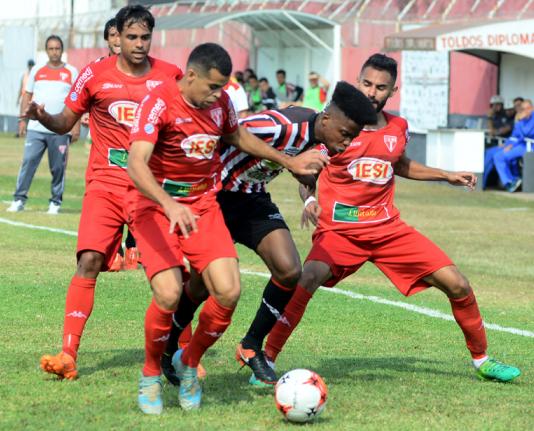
point(250, 217)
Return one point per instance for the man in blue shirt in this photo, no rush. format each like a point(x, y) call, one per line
point(514, 148)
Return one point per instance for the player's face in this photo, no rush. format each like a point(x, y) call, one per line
point(135, 42)
point(280, 78)
point(204, 89)
point(337, 131)
point(54, 50)
point(114, 41)
point(377, 85)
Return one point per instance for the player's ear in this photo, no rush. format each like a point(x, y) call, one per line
point(394, 90)
point(190, 75)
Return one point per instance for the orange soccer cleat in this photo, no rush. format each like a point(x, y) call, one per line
point(117, 264)
point(131, 258)
point(62, 365)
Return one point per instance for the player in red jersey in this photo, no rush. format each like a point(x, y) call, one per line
point(110, 91)
point(255, 221)
point(357, 222)
point(175, 164)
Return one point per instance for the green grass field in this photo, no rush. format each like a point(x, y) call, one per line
point(387, 368)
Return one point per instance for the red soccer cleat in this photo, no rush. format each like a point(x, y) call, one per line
point(131, 259)
point(117, 264)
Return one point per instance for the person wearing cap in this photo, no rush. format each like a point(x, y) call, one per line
point(499, 124)
point(315, 94)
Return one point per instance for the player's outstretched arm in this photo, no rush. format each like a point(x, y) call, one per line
point(141, 175)
point(413, 170)
point(59, 123)
point(307, 163)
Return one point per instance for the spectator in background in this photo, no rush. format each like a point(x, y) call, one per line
point(24, 80)
point(514, 148)
point(239, 78)
point(238, 96)
point(499, 125)
point(268, 98)
point(246, 76)
point(286, 93)
point(517, 106)
point(315, 94)
point(254, 94)
point(47, 85)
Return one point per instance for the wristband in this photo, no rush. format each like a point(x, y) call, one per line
point(309, 201)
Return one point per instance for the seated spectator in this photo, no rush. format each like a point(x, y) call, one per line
point(315, 94)
point(268, 98)
point(499, 124)
point(254, 94)
point(286, 93)
point(517, 106)
point(515, 147)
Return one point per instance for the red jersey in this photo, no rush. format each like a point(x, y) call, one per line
point(185, 160)
point(111, 97)
point(357, 187)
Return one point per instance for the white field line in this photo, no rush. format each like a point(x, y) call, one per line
point(376, 299)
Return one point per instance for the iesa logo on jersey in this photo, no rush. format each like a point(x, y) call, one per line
point(217, 116)
point(371, 170)
point(123, 111)
point(200, 146)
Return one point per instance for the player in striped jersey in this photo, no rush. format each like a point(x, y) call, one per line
point(255, 221)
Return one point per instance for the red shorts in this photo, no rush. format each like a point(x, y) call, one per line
point(101, 224)
point(403, 254)
point(161, 250)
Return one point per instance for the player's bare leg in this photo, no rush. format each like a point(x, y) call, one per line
point(466, 313)
point(278, 251)
point(221, 278)
point(167, 289)
point(78, 307)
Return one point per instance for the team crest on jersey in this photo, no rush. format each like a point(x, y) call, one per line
point(63, 75)
point(371, 170)
point(123, 111)
point(151, 84)
point(391, 142)
point(200, 146)
point(216, 115)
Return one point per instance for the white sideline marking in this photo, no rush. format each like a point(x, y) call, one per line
point(410, 307)
point(376, 299)
point(32, 226)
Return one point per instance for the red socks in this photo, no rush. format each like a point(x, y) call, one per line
point(185, 337)
point(212, 322)
point(293, 313)
point(78, 308)
point(158, 324)
point(467, 315)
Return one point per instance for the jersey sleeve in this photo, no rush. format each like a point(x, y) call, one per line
point(149, 118)
point(230, 124)
point(31, 80)
point(79, 97)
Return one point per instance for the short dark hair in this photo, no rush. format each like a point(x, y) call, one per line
point(209, 56)
point(54, 37)
point(264, 80)
point(519, 99)
point(108, 26)
point(382, 62)
point(353, 103)
point(129, 15)
point(281, 72)
point(253, 76)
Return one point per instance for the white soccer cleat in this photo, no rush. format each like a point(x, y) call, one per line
point(53, 208)
point(15, 207)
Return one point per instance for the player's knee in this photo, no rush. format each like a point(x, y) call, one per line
point(309, 281)
point(167, 296)
point(90, 263)
point(229, 296)
point(460, 287)
point(289, 277)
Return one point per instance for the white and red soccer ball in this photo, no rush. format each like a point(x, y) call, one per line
point(300, 395)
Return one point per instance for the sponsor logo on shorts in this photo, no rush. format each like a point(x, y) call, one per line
point(276, 216)
point(359, 214)
point(151, 84)
point(82, 80)
point(216, 115)
point(391, 142)
point(370, 170)
point(123, 111)
point(200, 146)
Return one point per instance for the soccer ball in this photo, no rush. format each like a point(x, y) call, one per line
point(300, 395)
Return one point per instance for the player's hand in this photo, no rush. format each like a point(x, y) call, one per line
point(182, 216)
point(307, 163)
point(507, 148)
point(22, 128)
point(74, 136)
point(467, 179)
point(310, 214)
point(85, 119)
point(34, 111)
